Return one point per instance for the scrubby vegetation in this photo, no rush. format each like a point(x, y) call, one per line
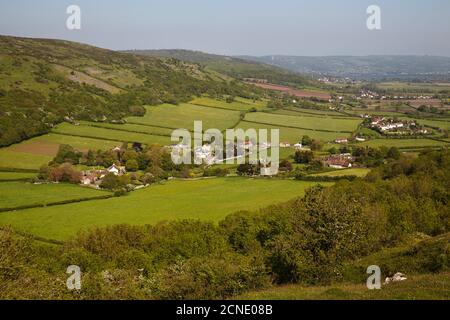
point(314, 240)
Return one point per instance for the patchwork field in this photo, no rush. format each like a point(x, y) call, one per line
point(206, 199)
point(237, 105)
point(15, 194)
point(184, 115)
point(108, 134)
point(312, 123)
point(33, 153)
point(292, 135)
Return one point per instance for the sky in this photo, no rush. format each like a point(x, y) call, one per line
point(240, 27)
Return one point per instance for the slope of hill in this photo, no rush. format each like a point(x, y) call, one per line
point(232, 66)
point(43, 82)
point(364, 67)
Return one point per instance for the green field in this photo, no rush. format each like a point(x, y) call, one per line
point(16, 175)
point(427, 87)
point(138, 128)
point(16, 194)
point(35, 152)
point(237, 105)
point(22, 160)
point(184, 115)
point(359, 172)
point(206, 199)
point(403, 143)
point(108, 134)
point(312, 123)
point(293, 135)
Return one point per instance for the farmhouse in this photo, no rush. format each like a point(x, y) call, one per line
point(285, 144)
point(298, 146)
point(116, 170)
point(339, 161)
point(341, 140)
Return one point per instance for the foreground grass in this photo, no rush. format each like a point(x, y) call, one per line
point(431, 287)
point(206, 199)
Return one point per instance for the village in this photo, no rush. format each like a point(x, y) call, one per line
point(390, 126)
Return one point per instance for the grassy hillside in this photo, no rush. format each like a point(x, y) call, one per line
point(43, 82)
point(233, 67)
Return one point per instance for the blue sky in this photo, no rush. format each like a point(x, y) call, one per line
point(255, 27)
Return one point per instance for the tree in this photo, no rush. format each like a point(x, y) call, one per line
point(316, 145)
point(132, 165)
point(306, 141)
point(246, 169)
point(110, 182)
point(303, 156)
point(285, 165)
point(393, 153)
point(67, 153)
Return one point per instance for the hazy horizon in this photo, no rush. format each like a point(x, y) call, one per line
point(256, 28)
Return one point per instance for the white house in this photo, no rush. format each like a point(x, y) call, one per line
point(298, 146)
point(116, 170)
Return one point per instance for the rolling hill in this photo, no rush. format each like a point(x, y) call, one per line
point(43, 82)
point(232, 66)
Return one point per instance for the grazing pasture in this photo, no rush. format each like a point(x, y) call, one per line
point(237, 105)
point(403, 143)
point(15, 194)
point(311, 123)
point(204, 199)
point(292, 135)
point(184, 115)
point(109, 134)
point(6, 176)
point(21, 160)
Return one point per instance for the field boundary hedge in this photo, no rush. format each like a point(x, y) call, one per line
point(124, 130)
point(56, 203)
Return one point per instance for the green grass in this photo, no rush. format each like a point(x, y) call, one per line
point(237, 105)
point(131, 128)
point(104, 133)
point(431, 286)
point(22, 160)
point(205, 199)
point(184, 115)
point(312, 123)
point(359, 172)
point(403, 143)
point(16, 175)
point(293, 135)
point(16, 194)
